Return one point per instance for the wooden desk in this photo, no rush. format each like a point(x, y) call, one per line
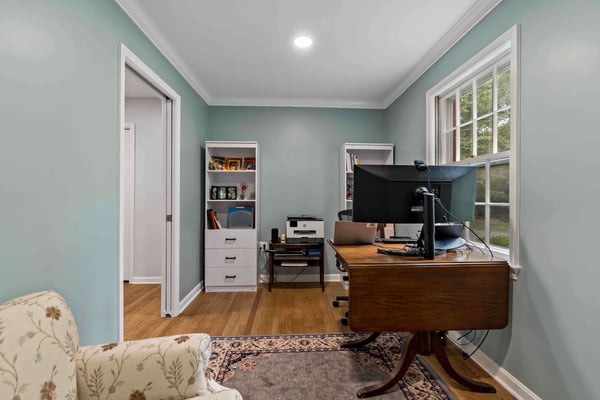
point(287, 254)
point(458, 291)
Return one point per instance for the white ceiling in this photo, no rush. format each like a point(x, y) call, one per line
point(365, 52)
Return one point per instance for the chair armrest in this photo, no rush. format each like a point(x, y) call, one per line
point(159, 368)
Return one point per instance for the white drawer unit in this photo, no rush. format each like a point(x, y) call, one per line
point(230, 244)
point(230, 259)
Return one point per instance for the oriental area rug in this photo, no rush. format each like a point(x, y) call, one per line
point(315, 367)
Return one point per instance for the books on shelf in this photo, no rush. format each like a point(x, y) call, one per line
point(351, 160)
point(212, 221)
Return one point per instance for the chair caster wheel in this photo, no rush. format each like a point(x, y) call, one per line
point(335, 303)
point(344, 321)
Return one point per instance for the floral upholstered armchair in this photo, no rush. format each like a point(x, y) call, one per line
point(40, 358)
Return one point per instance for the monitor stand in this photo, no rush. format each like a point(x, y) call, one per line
point(442, 242)
point(428, 230)
point(449, 243)
point(448, 236)
point(440, 237)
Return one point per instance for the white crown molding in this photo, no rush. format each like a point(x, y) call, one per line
point(467, 22)
point(475, 14)
point(139, 17)
point(297, 102)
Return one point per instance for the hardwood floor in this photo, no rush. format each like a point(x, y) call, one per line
point(301, 308)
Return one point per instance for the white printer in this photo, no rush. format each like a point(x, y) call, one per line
point(304, 228)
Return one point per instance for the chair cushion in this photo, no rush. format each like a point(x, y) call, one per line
point(38, 344)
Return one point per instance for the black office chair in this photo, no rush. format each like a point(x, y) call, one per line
point(343, 215)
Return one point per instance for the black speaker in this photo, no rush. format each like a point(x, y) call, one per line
point(274, 235)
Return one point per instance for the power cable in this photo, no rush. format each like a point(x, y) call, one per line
point(467, 356)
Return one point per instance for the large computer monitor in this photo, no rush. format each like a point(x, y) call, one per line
point(403, 194)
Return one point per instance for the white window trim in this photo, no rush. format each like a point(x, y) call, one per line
point(509, 41)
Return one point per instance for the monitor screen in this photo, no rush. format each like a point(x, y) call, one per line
point(389, 193)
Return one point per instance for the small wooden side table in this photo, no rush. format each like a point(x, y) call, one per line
point(296, 255)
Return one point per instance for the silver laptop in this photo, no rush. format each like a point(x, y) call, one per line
point(348, 232)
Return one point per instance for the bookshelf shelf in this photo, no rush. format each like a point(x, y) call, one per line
point(231, 201)
point(251, 172)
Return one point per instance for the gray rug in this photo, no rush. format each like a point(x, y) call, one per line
point(315, 367)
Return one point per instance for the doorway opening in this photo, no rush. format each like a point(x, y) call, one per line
point(149, 184)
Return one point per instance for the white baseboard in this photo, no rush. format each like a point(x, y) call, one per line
point(146, 280)
point(189, 298)
point(301, 278)
point(229, 289)
point(500, 375)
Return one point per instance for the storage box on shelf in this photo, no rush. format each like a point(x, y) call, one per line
point(231, 216)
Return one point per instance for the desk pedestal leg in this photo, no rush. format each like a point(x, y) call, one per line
point(423, 343)
point(437, 345)
point(409, 354)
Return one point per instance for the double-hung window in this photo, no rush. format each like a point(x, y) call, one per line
point(472, 120)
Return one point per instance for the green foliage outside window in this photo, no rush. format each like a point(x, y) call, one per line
point(484, 95)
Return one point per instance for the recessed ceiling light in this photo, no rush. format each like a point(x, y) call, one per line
point(303, 41)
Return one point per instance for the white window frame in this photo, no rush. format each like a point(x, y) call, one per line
point(507, 42)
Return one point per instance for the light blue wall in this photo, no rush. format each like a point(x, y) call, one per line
point(299, 157)
point(59, 66)
point(551, 344)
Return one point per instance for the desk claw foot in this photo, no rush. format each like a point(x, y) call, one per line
point(412, 349)
point(437, 345)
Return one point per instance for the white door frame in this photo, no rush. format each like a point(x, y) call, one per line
point(128, 173)
point(170, 274)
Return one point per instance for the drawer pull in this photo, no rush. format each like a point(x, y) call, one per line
point(230, 276)
point(230, 258)
point(230, 239)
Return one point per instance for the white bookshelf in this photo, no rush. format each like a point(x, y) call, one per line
point(231, 251)
point(364, 153)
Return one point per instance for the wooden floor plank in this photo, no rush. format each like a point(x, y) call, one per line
point(287, 309)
